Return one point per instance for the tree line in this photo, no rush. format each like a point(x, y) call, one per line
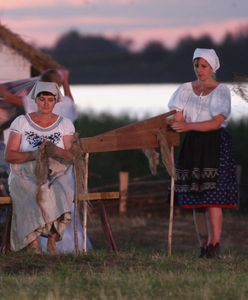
point(100, 60)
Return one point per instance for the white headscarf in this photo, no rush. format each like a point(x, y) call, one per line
point(41, 86)
point(209, 55)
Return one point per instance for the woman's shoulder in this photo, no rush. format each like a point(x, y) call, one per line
point(223, 86)
point(20, 119)
point(223, 89)
point(185, 86)
point(66, 124)
point(65, 120)
point(19, 122)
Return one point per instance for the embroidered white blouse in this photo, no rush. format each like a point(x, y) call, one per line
point(33, 135)
point(201, 108)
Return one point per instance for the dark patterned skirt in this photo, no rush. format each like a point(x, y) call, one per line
point(206, 171)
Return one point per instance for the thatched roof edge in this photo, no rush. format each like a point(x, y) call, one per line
point(39, 60)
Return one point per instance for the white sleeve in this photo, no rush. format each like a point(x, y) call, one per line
point(17, 125)
point(179, 98)
point(68, 127)
point(221, 102)
point(66, 108)
point(29, 104)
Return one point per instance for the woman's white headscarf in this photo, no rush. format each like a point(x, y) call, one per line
point(209, 55)
point(50, 87)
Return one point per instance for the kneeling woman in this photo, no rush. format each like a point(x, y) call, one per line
point(50, 214)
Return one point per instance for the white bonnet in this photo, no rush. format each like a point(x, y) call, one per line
point(209, 55)
point(41, 86)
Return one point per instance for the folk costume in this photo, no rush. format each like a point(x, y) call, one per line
point(30, 218)
point(205, 170)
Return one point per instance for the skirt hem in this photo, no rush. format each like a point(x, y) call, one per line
point(210, 205)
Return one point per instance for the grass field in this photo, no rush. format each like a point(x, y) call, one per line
point(140, 270)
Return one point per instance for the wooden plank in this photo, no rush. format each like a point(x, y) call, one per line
point(119, 142)
point(88, 197)
point(154, 123)
point(130, 141)
point(99, 196)
point(5, 200)
point(134, 136)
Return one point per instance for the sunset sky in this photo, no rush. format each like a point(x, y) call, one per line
point(41, 22)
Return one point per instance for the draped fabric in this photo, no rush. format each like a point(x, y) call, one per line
point(9, 111)
point(31, 219)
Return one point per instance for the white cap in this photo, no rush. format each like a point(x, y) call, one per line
point(50, 87)
point(209, 55)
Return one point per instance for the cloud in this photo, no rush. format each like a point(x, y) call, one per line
point(171, 36)
point(13, 4)
point(45, 31)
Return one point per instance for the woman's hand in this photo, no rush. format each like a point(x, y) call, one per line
point(180, 126)
point(58, 153)
point(52, 150)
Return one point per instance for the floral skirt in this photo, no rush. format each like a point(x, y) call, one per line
point(206, 171)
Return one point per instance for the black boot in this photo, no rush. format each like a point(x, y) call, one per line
point(210, 251)
point(203, 251)
point(213, 251)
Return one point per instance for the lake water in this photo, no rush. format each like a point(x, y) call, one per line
point(137, 100)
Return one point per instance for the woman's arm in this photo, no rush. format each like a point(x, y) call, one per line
point(178, 116)
point(213, 124)
point(12, 152)
point(9, 97)
point(65, 83)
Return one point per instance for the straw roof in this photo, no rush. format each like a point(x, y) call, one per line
point(39, 60)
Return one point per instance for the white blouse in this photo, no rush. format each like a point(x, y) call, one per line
point(201, 108)
point(33, 135)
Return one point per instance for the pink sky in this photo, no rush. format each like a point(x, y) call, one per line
point(42, 22)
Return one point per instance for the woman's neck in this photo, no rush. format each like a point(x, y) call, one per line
point(204, 87)
point(206, 84)
point(44, 116)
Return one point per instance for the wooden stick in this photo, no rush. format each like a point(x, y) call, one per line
point(75, 210)
point(171, 205)
point(107, 230)
point(85, 202)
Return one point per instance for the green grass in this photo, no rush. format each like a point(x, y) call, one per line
point(140, 270)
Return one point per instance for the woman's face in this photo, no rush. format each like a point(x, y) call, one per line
point(202, 69)
point(45, 103)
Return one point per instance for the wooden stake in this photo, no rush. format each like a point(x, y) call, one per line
point(123, 188)
point(171, 205)
point(75, 223)
point(85, 202)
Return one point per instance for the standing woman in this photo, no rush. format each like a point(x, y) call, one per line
point(205, 171)
point(50, 214)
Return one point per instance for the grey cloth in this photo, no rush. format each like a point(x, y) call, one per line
point(30, 219)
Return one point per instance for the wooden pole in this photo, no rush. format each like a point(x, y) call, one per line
point(85, 202)
point(123, 188)
point(171, 205)
point(76, 210)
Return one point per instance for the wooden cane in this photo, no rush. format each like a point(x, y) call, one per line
point(85, 202)
point(76, 246)
point(171, 204)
